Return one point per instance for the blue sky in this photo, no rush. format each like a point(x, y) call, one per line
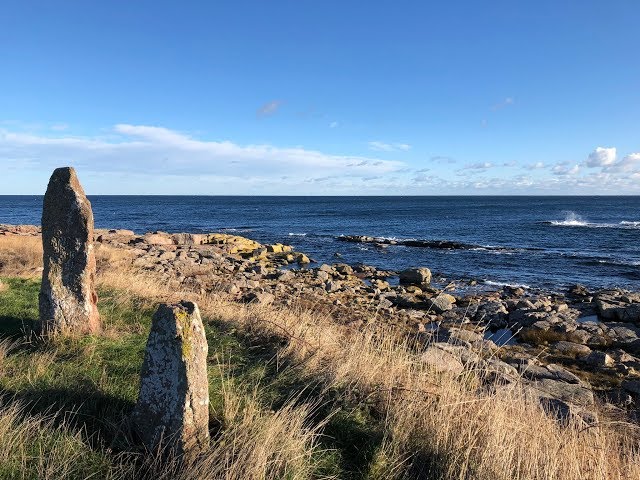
point(331, 97)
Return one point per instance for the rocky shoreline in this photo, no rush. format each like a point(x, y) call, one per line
point(573, 349)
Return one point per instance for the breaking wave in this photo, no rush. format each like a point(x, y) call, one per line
point(572, 219)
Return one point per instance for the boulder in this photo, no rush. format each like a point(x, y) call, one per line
point(442, 360)
point(264, 298)
point(574, 394)
point(599, 359)
point(188, 238)
point(493, 313)
point(415, 276)
point(570, 348)
point(302, 259)
point(332, 286)
point(68, 299)
point(441, 303)
point(158, 238)
point(172, 411)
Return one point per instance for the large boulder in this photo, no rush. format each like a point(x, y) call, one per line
point(172, 411)
point(415, 276)
point(68, 299)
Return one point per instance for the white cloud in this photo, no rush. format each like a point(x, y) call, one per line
point(535, 166)
point(601, 157)
point(478, 166)
point(158, 150)
point(269, 108)
point(388, 147)
point(627, 164)
point(155, 160)
point(561, 169)
point(333, 124)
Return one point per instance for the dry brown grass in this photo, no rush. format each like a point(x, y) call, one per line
point(436, 425)
point(20, 256)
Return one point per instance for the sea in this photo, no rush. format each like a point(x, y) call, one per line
point(536, 242)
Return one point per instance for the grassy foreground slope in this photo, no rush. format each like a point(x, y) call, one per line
point(293, 395)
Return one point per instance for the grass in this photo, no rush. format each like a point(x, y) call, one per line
point(82, 388)
point(293, 395)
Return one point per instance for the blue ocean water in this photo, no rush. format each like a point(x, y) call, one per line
point(550, 242)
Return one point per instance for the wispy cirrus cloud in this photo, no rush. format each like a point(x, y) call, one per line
point(479, 166)
point(388, 147)
point(269, 108)
point(442, 159)
point(153, 149)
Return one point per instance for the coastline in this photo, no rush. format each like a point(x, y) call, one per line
point(579, 344)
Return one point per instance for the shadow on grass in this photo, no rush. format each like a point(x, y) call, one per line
point(101, 416)
point(352, 436)
point(15, 327)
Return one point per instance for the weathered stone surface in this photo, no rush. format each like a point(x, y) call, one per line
point(158, 238)
point(599, 359)
point(442, 360)
point(173, 405)
point(570, 348)
point(570, 393)
point(441, 303)
point(68, 300)
point(415, 276)
point(264, 298)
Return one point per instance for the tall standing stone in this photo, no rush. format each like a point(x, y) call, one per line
point(173, 404)
point(68, 300)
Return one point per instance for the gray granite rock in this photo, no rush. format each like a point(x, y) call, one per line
point(172, 411)
point(68, 299)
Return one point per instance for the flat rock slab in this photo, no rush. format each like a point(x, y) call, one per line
point(173, 405)
point(68, 300)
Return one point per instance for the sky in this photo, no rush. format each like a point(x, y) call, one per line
point(328, 97)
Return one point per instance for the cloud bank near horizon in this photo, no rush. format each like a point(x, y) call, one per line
point(147, 159)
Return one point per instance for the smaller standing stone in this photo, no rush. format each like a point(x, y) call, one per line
point(173, 405)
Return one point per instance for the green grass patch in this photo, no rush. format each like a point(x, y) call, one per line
point(90, 384)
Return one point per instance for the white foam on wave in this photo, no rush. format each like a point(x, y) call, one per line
point(572, 219)
point(504, 284)
point(292, 234)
